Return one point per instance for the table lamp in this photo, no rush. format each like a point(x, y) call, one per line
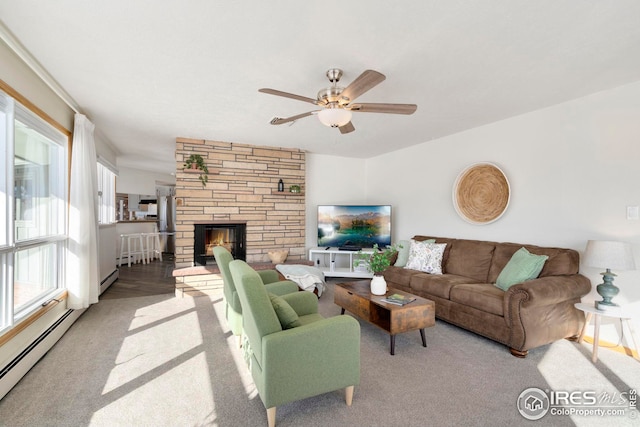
point(609, 255)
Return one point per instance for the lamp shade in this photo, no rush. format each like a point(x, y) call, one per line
point(334, 117)
point(609, 254)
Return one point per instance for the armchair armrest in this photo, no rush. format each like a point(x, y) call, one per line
point(327, 351)
point(282, 288)
point(268, 276)
point(302, 302)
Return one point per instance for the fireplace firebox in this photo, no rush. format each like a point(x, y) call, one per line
point(207, 236)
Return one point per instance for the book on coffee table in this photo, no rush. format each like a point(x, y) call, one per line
point(398, 299)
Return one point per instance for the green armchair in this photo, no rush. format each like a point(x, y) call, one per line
point(233, 309)
point(315, 355)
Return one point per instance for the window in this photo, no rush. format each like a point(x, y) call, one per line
point(33, 204)
point(106, 195)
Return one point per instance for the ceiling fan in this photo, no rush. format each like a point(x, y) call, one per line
point(337, 102)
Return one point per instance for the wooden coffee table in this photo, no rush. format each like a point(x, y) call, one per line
point(394, 319)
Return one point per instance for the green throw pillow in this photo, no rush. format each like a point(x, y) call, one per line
point(522, 266)
point(286, 314)
point(403, 253)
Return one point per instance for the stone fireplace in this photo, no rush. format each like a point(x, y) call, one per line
point(242, 188)
point(207, 236)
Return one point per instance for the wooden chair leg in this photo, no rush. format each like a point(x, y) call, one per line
point(271, 416)
point(348, 394)
point(122, 239)
point(129, 251)
point(157, 245)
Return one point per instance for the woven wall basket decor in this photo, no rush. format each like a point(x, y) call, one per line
point(481, 193)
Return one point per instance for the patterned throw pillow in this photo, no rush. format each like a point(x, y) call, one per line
point(403, 251)
point(426, 257)
point(417, 255)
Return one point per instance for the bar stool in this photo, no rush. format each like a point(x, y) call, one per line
point(154, 250)
point(135, 248)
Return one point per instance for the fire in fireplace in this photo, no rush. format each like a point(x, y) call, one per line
point(207, 236)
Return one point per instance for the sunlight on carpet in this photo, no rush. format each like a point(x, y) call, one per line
point(602, 381)
point(151, 342)
point(159, 395)
point(236, 352)
point(162, 354)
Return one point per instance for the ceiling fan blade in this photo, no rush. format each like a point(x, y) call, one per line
point(347, 128)
point(365, 81)
point(279, 120)
point(383, 108)
point(289, 95)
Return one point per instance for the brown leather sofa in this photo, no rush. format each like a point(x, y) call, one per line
point(527, 315)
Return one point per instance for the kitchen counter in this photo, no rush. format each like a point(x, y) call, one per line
point(132, 227)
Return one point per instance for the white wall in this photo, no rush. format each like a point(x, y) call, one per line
point(20, 77)
point(573, 169)
point(104, 149)
point(141, 182)
point(107, 253)
point(331, 180)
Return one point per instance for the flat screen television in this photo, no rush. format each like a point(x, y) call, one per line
point(352, 227)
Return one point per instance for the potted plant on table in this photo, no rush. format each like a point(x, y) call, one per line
point(195, 161)
point(376, 262)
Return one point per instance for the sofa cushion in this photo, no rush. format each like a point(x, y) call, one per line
point(522, 266)
point(482, 296)
point(427, 257)
point(470, 258)
point(440, 285)
point(286, 314)
point(399, 277)
point(561, 261)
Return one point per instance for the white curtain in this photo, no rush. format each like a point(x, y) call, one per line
point(82, 281)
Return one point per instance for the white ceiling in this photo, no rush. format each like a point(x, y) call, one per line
point(146, 72)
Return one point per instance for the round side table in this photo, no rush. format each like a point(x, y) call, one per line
point(590, 311)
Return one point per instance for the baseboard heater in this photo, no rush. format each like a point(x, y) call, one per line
point(25, 360)
point(108, 281)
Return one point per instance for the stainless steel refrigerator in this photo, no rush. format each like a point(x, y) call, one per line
point(167, 223)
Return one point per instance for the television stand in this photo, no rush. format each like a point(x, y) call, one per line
point(341, 260)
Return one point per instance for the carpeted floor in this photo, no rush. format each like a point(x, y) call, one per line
point(166, 361)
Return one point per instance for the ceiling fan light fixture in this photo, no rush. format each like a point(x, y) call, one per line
point(334, 117)
point(336, 103)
